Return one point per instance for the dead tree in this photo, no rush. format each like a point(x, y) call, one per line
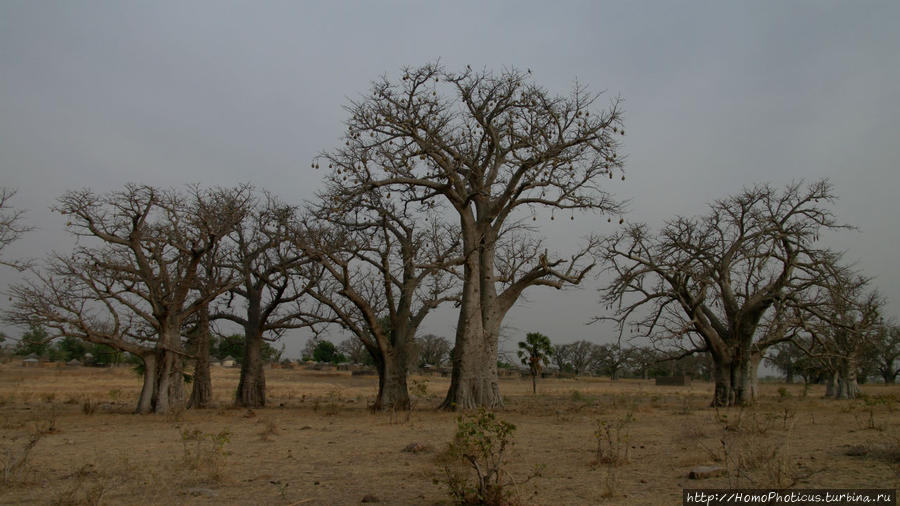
point(137, 261)
point(494, 147)
point(384, 267)
point(260, 251)
point(709, 281)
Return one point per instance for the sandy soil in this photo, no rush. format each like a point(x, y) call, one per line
point(318, 443)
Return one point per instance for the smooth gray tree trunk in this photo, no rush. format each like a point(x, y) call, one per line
point(251, 390)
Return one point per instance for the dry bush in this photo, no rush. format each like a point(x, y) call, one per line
point(474, 466)
point(87, 488)
point(613, 440)
point(754, 453)
point(205, 452)
point(14, 457)
point(613, 443)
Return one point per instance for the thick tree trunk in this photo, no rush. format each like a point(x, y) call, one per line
point(393, 393)
point(169, 389)
point(753, 370)
point(251, 390)
point(474, 381)
point(848, 386)
point(722, 376)
point(533, 382)
point(831, 385)
point(145, 401)
point(742, 375)
point(201, 393)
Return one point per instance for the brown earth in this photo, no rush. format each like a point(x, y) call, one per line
point(318, 444)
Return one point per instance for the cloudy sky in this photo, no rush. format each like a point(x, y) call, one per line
point(718, 95)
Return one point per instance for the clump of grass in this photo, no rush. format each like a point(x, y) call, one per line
point(205, 451)
point(88, 488)
point(577, 396)
point(89, 406)
point(14, 457)
point(270, 428)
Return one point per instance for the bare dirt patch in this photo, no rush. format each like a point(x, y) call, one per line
point(68, 437)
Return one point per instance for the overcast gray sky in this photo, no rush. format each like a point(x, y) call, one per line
point(718, 95)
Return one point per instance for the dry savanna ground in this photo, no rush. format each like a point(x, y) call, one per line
point(68, 437)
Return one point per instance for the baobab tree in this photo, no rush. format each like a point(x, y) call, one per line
point(561, 357)
point(841, 320)
point(260, 251)
point(382, 267)
point(886, 351)
point(611, 359)
point(131, 283)
point(710, 280)
point(494, 147)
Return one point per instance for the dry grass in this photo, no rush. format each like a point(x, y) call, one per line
point(318, 444)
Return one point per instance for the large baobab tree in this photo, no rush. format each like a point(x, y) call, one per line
point(260, 250)
point(131, 283)
point(841, 319)
point(710, 280)
point(494, 147)
point(383, 266)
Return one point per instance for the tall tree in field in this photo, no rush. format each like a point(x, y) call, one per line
point(494, 147)
point(384, 267)
point(535, 352)
point(611, 359)
point(886, 350)
point(261, 252)
point(11, 226)
point(710, 280)
point(562, 357)
point(131, 283)
point(432, 350)
point(841, 319)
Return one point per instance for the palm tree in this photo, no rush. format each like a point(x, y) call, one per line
point(535, 352)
